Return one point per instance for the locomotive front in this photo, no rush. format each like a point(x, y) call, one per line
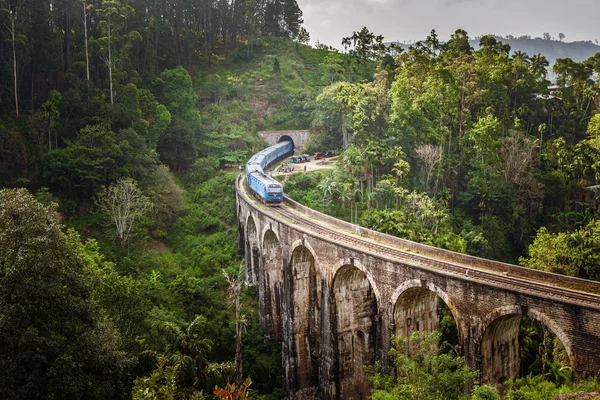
point(265, 188)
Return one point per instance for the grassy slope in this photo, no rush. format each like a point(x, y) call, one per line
point(241, 97)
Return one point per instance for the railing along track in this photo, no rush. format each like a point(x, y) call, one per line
point(512, 283)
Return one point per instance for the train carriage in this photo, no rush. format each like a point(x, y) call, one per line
point(265, 188)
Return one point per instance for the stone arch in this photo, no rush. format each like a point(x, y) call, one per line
point(251, 229)
point(500, 346)
point(284, 138)
point(415, 306)
point(304, 316)
point(356, 323)
point(269, 228)
point(368, 273)
point(500, 349)
point(271, 285)
point(555, 328)
point(252, 253)
point(304, 243)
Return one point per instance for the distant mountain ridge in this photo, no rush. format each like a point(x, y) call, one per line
point(551, 49)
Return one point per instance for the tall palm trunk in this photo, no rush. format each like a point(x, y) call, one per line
point(87, 56)
point(14, 50)
point(110, 65)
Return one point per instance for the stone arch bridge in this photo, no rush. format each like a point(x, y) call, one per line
point(335, 297)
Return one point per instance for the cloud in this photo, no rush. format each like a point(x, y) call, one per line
point(330, 20)
point(450, 3)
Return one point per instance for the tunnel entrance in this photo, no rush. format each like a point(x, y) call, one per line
point(356, 313)
point(285, 138)
point(271, 286)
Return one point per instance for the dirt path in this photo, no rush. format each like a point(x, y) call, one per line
point(312, 165)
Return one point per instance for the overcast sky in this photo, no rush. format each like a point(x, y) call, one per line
point(329, 20)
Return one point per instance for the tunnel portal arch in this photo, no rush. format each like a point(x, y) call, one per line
point(285, 138)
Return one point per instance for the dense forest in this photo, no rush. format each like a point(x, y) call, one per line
point(469, 150)
point(552, 48)
point(120, 122)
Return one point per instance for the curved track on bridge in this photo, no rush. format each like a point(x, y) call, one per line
point(476, 273)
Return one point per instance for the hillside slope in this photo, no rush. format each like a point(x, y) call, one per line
point(269, 90)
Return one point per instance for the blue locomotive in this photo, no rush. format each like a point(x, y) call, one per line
point(265, 188)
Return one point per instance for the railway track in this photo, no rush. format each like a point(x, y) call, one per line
point(512, 283)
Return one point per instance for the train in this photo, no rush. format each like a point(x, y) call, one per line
point(266, 189)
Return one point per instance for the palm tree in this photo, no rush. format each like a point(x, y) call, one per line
point(328, 187)
point(519, 55)
point(346, 42)
point(538, 65)
point(186, 345)
point(345, 193)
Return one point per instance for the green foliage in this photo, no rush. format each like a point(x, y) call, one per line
point(179, 143)
point(122, 298)
point(57, 342)
point(163, 384)
point(262, 361)
point(571, 253)
point(96, 158)
point(167, 199)
point(423, 372)
point(304, 189)
point(531, 388)
point(485, 393)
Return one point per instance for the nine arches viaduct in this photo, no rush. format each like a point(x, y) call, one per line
point(334, 298)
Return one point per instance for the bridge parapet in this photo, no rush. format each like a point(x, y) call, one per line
point(516, 271)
